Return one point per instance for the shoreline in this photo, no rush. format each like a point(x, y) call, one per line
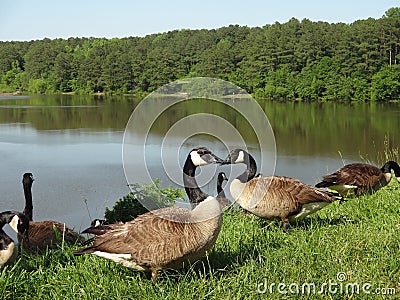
point(16, 93)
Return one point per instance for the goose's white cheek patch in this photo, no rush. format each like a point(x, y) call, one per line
point(240, 158)
point(196, 159)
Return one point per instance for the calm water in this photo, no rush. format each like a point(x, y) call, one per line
point(73, 146)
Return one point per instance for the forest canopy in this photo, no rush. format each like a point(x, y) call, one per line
point(302, 60)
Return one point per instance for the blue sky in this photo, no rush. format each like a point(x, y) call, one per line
point(31, 20)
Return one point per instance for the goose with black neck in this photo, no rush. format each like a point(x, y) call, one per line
point(166, 238)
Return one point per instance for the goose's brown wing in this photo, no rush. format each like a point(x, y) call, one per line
point(281, 196)
point(42, 235)
point(281, 188)
point(297, 191)
point(154, 239)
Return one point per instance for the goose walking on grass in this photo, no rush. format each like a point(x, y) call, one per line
point(359, 178)
point(273, 197)
point(44, 234)
point(166, 238)
point(18, 222)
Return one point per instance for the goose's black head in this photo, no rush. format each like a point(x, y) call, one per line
point(389, 166)
point(197, 157)
point(23, 225)
point(222, 177)
point(27, 179)
point(202, 156)
point(18, 222)
point(236, 156)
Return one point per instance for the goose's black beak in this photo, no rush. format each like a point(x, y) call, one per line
point(217, 159)
point(211, 158)
point(227, 161)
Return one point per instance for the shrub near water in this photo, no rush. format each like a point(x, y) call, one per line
point(358, 240)
point(151, 195)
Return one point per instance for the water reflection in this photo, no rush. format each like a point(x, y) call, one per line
point(62, 112)
point(325, 129)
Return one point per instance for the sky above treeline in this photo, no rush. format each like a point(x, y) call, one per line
point(24, 20)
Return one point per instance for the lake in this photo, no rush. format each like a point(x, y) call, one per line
point(73, 146)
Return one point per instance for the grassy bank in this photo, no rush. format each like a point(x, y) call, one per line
point(342, 246)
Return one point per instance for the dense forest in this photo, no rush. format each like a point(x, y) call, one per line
point(296, 60)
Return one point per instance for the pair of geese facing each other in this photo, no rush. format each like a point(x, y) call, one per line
point(168, 238)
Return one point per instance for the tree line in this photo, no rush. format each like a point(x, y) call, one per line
point(295, 60)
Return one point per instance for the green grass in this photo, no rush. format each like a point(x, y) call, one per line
point(360, 237)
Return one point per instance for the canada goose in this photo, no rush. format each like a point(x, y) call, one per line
point(42, 234)
point(20, 223)
point(223, 201)
point(273, 197)
point(165, 238)
point(358, 178)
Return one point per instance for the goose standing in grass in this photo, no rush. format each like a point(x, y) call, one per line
point(18, 222)
point(165, 238)
point(223, 201)
point(42, 234)
point(359, 178)
point(273, 197)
